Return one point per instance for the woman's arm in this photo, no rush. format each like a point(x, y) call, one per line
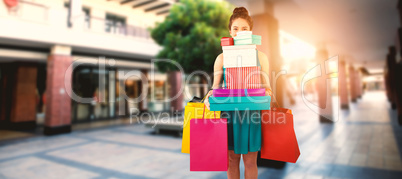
point(218, 73)
point(265, 72)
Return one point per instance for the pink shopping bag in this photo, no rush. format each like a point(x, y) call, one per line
point(208, 145)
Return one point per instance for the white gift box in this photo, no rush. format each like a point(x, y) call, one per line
point(244, 33)
point(239, 56)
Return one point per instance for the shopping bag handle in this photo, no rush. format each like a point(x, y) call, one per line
point(203, 112)
point(202, 100)
point(276, 101)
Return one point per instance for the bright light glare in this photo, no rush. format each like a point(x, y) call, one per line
point(293, 48)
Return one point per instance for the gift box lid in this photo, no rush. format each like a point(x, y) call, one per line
point(244, 33)
point(240, 56)
point(235, 99)
point(227, 41)
point(235, 48)
point(247, 41)
point(246, 36)
point(238, 92)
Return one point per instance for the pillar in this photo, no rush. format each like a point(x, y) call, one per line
point(352, 84)
point(323, 86)
point(176, 81)
point(58, 102)
point(399, 7)
point(268, 27)
point(398, 67)
point(398, 89)
point(391, 64)
point(398, 70)
point(24, 97)
point(343, 90)
point(387, 85)
point(143, 106)
point(359, 83)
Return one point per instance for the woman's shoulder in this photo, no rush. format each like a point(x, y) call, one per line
point(220, 56)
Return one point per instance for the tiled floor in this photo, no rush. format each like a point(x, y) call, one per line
point(364, 143)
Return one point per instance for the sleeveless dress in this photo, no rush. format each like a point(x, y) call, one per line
point(244, 130)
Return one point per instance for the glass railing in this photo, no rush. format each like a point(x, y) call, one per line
point(42, 14)
point(99, 24)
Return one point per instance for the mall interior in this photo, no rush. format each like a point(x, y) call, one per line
point(73, 69)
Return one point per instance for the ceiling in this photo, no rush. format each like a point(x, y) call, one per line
point(360, 30)
point(160, 7)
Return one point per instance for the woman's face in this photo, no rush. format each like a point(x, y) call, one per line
point(238, 25)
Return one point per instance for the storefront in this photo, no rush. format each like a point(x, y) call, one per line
point(115, 92)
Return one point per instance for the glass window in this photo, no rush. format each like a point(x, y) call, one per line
point(83, 88)
point(85, 11)
point(115, 24)
point(87, 18)
point(90, 82)
point(67, 8)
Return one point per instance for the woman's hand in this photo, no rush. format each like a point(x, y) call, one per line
point(206, 100)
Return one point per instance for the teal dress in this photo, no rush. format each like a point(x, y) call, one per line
point(244, 130)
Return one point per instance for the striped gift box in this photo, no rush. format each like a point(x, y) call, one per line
point(243, 77)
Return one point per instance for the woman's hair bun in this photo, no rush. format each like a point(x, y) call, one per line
point(240, 10)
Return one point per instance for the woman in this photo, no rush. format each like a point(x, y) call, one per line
point(244, 130)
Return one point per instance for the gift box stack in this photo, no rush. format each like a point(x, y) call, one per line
point(205, 134)
point(242, 90)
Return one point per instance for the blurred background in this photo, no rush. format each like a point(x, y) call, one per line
point(82, 95)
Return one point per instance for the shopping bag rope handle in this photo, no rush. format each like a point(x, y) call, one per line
point(276, 102)
point(204, 98)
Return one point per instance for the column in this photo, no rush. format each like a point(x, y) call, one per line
point(23, 110)
point(359, 83)
point(343, 90)
point(398, 85)
point(143, 106)
point(58, 103)
point(175, 81)
point(398, 91)
point(352, 84)
point(267, 26)
point(323, 85)
point(391, 64)
point(399, 7)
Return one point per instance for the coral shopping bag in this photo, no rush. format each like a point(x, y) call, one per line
point(193, 110)
point(278, 136)
point(208, 145)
